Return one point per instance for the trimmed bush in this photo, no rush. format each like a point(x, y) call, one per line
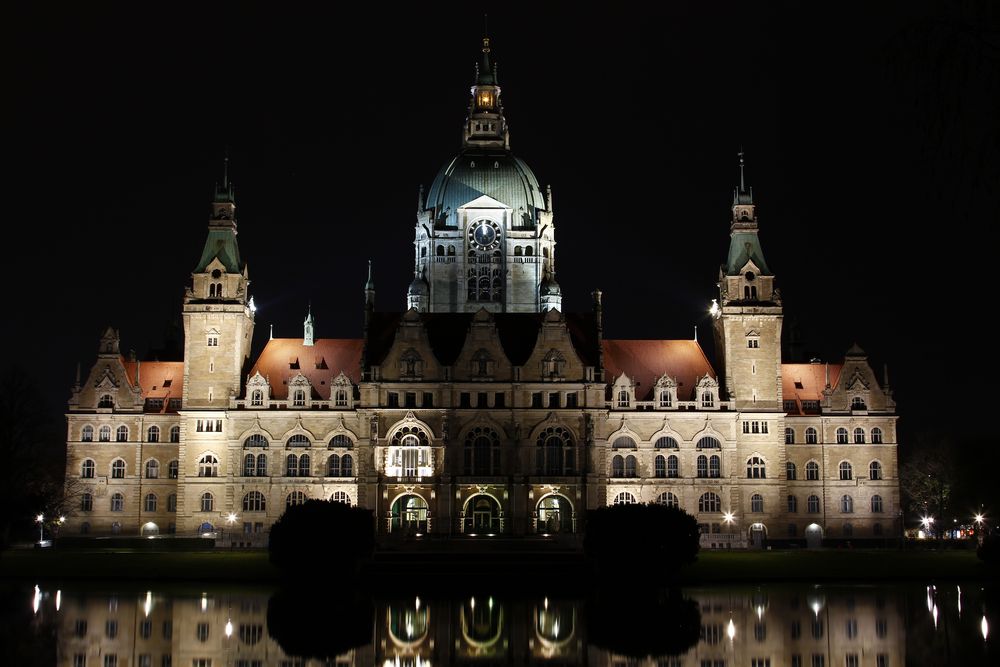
point(335, 533)
point(989, 550)
point(643, 535)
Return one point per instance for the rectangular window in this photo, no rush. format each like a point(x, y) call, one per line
point(392, 400)
point(201, 632)
point(411, 399)
point(482, 400)
point(760, 662)
point(218, 426)
point(167, 660)
point(881, 628)
point(213, 341)
point(818, 660)
point(80, 628)
point(753, 343)
point(499, 400)
point(851, 660)
point(571, 400)
point(146, 629)
point(882, 660)
point(763, 427)
point(789, 406)
point(200, 426)
point(145, 660)
point(553, 399)
point(428, 400)
point(755, 427)
point(536, 399)
point(110, 660)
point(810, 407)
point(111, 629)
point(746, 427)
point(168, 629)
point(173, 403)
point(796, 660)
point(79, 660)
point(201, 662)
point(465, 400)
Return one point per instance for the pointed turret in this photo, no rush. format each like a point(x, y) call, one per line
point(745, 263)
point(486, 125)
point(221, 242)
point(309, 328)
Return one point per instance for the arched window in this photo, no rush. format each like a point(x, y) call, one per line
point(858, 403)
point(117, 502)
point(482, 452)
point(88, 469)
point(707, 400)
point(790, 472)
point(876, 436)
point(298, 440)
point(666, 442)
point(305, 468)
point(333, 466)
point(295, 498)
point(875, 470)
point(554, 452)
point(249, 465)
point(812, 504)
point(756, 503)
point(617, 466)
point(811, 438)
point(812, 471)
point(87, 502)
point(207, 502)
point(106, 401)
point(255, 440)
point(104, 435)
point(299, 398)
point(846, 472)
point(859, 436)
point(149, 504)
point(877, 504)
point(673, 466)
point(793, 504)
point(755, 468)
point(623, 442)
point(87, 434)
point(846, 504)
point(518, 251)
point(529, 250)
point(668, 499)
point(117, 469)
point(624, 498)
point(714, 466)
point(341, 441)
point(451, 251)
point(173, 468)
point(709, 502)
point(208, 466)
point(262, 465)
point(841, 436)
point(708, 442)
point(254, 502)
point(630, 467)
point(660, 466)
point(121, 435)
point(152, 469)
point(423, 251)
point(347, 466)
point(257, 398)
point(340, 497)
point(172, 502)
point(702, 466)
point(175, 434)
point(153, 434)
point(789, 436)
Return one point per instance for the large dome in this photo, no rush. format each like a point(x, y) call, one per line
point(477, 172)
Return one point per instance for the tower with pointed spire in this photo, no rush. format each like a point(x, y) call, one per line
point(217, 313)
point(308, 333)
point(749, 317)
point(484, 237)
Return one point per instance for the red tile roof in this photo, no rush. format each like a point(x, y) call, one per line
point(805, 382)
point(646, 360)
point(284, 358)
point(157, 379)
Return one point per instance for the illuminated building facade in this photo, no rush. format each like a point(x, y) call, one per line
point(483, 408)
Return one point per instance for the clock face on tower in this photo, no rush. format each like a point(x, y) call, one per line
point(484, 234)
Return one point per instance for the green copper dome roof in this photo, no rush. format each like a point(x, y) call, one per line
point(477, 172)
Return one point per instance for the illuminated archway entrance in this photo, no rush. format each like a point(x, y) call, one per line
point(482, 515)
point(149, 529)
point(409, 515)
point(814, 536)
point(555, 515)
point(757, 535)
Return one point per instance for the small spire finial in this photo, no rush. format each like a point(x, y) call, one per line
point(225, 170)
point(271, 337)
point(742, 184)
point(486, 32)
point(696, 333)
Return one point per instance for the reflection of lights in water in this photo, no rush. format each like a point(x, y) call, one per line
point(36, 602)
point(546, 603)
point(229, 628)
point(148, 604)
point(984, 627)
point(555, 629)
point(409, 626)
point(934, 613)
point(416, 603)
point(490, 603)
point(930, 599)
point(815, 608)
point(760, 612)
point(472, 602)
point(204, 602)
point(959, 588)
point(731, 630)
point(58, 599)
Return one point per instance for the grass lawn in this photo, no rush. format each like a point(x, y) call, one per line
point(252, 567)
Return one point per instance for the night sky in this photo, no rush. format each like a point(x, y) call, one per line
point(871, 139)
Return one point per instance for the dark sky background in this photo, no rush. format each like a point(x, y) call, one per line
point(870, 130)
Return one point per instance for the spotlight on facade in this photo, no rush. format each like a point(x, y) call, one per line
point(984, 627)
point(40, 518)
point(728, 517)
point(731, 629)
point(979, 518)
point(231, 518)
point(252, 306)
point(229, 628)
point(714, 309)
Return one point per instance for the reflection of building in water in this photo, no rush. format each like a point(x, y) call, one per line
point(483, 408)
point(803, 627)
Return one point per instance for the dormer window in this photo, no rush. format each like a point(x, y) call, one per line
point(257, 398)
point(340, 398)
point(482, 364)
point(666, 399)
point(624, 400)
point(107, 401)
point(299, 398)
point(411, 364)
point(858, 403)
point(213, 341)
point(553, 363)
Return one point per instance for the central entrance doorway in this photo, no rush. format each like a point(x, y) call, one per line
point(409, 515)
point(482, 515)
point(555, 515)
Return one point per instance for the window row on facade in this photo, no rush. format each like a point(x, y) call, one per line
point(843, 437)
point(844, 471)
point(253, 501)
point(107, 433)
point(711, 502)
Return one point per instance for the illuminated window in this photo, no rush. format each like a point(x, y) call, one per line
point(812, 471)
point(811, 438)
point(876, 436)
point(709, 502)
point(846, 471)
point(149, 504)
point(208, 466)
point(152, 469)
point(875, 470)
point(117, 502)
point(624, 498)
point(207, 502)
point(87, 434)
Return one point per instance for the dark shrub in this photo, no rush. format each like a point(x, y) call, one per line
point(644, 536)
point(322, 531)
point(643, 625)
point(319, 623)
point(989, 550)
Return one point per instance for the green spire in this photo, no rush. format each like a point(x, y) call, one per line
point(225, 192)
point(485, 75)
point(221, 241)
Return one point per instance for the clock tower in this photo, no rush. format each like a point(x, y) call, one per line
point(485, 235)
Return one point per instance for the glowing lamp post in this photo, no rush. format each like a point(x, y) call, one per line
point(41, 527)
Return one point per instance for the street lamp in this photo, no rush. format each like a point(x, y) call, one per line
point(41, 527)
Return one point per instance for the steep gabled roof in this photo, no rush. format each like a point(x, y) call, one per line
point(157, 379)
point(646, 360)
point(805, 382)
point(284, 358)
